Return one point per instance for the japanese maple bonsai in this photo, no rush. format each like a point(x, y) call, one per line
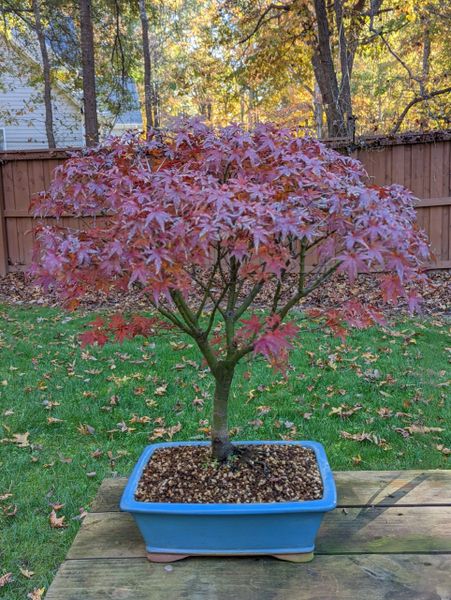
point(204, 221)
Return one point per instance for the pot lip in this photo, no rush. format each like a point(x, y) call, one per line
point(326, 503)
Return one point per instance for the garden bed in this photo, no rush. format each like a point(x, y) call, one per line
point(16, 289)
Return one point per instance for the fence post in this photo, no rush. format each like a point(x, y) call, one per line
point(3, 239)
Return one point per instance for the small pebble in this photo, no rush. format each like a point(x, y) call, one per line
point(261, 473)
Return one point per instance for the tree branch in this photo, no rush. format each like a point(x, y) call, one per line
point(248, 300)
point(417, 100)
point(261, 19)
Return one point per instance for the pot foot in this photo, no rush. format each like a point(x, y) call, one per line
point(295, 558)
point(159, 557)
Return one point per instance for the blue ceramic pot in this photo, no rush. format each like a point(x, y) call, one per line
point(270, 528)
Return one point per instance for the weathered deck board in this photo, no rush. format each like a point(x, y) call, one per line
point(381, 577)
point(353, 530)
point(355, 488)
point(391, 538)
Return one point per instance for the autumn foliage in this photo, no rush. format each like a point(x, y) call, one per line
point(204, 221)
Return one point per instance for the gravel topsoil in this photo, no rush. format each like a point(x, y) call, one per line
point(261, 473)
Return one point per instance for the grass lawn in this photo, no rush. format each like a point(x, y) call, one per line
point(89, 413)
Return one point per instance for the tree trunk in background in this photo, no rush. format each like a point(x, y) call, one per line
point(326, 76)
point(346, 64)
point(148, 86)
point(220, 441)
point(46, 73)
point(89, 79)
point(318, 110)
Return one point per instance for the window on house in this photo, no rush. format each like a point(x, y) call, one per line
point(2, 139)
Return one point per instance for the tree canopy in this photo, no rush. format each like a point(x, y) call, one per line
point(333, 68)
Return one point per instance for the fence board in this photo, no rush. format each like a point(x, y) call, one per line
point(422, 166)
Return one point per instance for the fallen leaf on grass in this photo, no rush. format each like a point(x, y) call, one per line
point(357, 459)
point(424, 429)
point(142, 420)
point(365, 437)
point(161, 390)
point(19, 439)
point(86, 429)
point(344, 411)
point(26, 573)
point(36, 594)
point(407, 431)
point(10, 511)
point(442, 448)
point(51, 420)
point(165, 432)
point(5, 496)
point(256, 423)
point(56, 522)
point(402, 431)
point(6, 578)
point(384, 412)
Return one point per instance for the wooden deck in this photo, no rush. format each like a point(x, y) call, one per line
point(389, 538)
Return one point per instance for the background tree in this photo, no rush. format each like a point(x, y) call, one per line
point(203, 221)
point(88, 70)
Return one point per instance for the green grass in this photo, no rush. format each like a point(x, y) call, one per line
point(405, 371)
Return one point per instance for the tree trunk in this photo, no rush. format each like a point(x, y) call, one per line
point(148, 87)
point(46, 73)
point(221, 446)
point(318, 110)
point(346, 63)
point(89, 79)
point(326, 76)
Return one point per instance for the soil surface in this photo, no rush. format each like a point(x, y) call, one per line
point(263, 473)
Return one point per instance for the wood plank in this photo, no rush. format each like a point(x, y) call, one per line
point(404, 577)
point(443, 201)
point(3, 239)
point(436, 231)
point(355, 488)
point(353, 530)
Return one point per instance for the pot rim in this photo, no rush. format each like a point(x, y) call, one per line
point(326, 503)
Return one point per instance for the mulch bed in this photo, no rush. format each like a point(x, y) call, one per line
point(16, 289)
point(261, 473)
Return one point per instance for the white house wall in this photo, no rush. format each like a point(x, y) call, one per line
point(22, 111)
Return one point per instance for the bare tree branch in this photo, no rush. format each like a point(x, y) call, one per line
point(417, 100)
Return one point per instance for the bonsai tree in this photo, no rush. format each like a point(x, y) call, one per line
point(205, 221)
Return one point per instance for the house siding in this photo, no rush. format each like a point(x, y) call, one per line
point(22, 112)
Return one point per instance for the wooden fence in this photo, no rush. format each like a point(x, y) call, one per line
point(422, 166)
